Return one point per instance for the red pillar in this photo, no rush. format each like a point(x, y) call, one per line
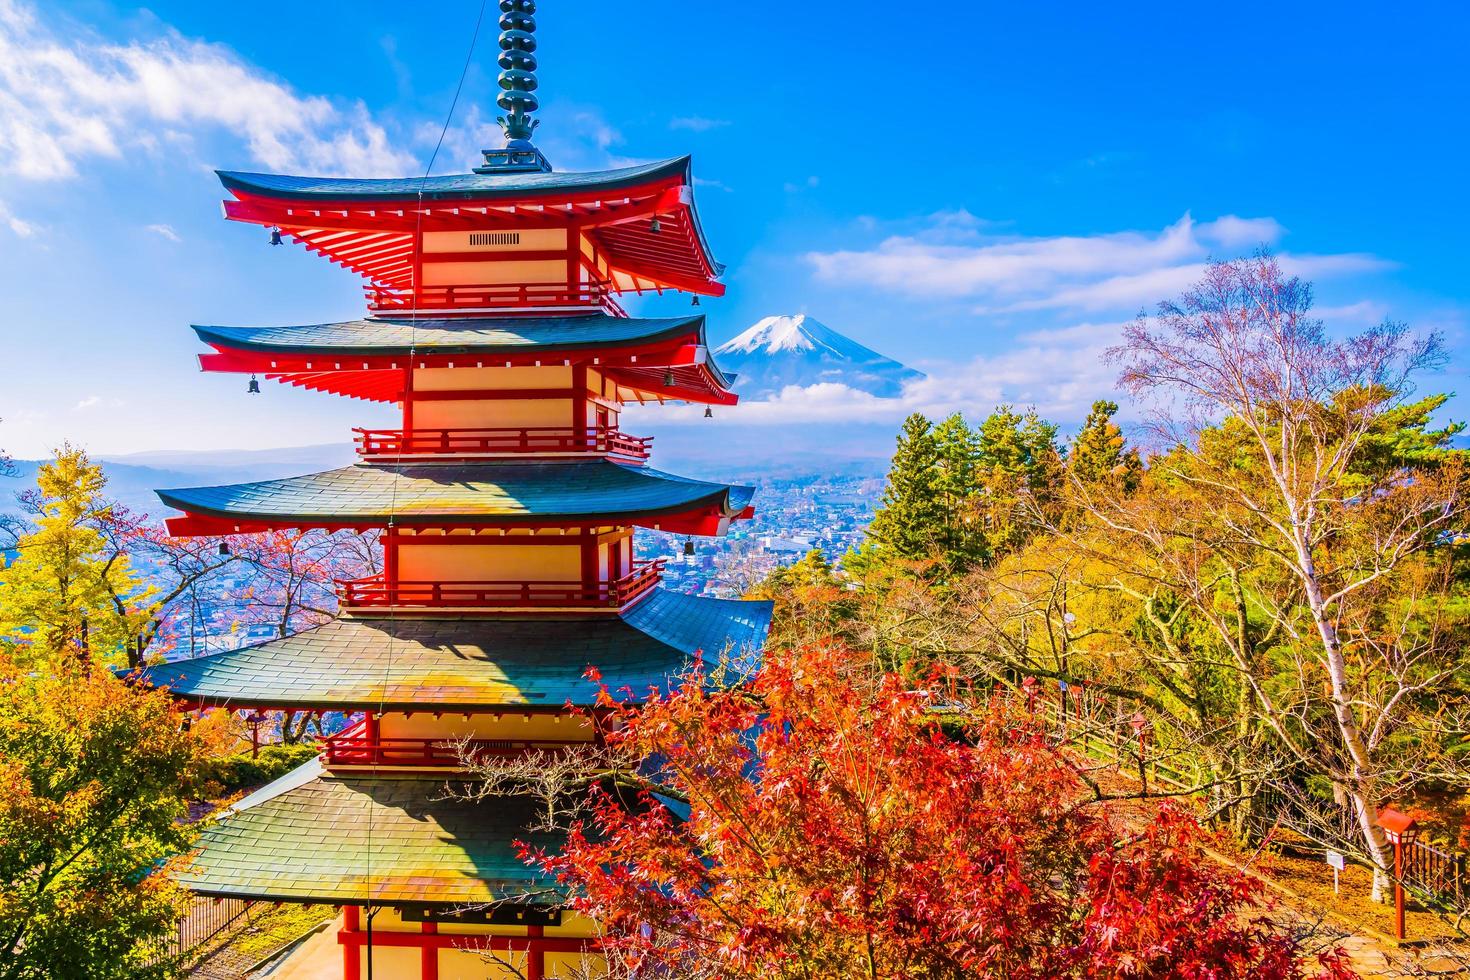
point(590, 582)
point(374, 740)
point(535, 954)
point(429, 955)
point(351, 957)
point(408, 399)
point(1398, 886)
point(579, 401)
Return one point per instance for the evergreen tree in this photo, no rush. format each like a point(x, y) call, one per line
point(66, 593)
point(1100, 453)
point(1018, 459)
point(962, 541)
point(907, 525)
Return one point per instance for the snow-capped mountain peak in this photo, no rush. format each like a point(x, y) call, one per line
point(781, 333)
point(779, 351)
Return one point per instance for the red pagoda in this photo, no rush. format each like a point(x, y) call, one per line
point(507, 502)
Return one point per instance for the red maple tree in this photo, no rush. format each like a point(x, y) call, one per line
point(820, 824)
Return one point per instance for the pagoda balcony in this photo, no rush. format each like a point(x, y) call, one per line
point(505, 298)
point(375, 592)
point(357, 746)
point(481, 443)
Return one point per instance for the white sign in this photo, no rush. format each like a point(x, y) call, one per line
point(1338, 862)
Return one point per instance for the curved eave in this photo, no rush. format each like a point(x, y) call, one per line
point(365, 359)
point(380, 337)
point(505, 494)
point(317, 211)
point(385, 839)
point(453, 187)
point(471, 664)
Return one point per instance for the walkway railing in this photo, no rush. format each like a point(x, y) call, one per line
point(354, 747)
point(206, 918)
point(548, 440)
point(528, 298)
point(376, 592)
point(1104, 728)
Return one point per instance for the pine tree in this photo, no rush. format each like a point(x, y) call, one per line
point(907, 525)
point(1018, 459)
point(962, 538)
point(67, 594)
point(1100, 453)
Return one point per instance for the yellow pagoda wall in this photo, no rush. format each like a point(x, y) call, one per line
point(469, 963)
point(494, 558)
point(499, 265)
point(489, 563)
point(471, 413)
point(536, 727)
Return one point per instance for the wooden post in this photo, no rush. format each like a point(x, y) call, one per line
point(535, 954)
point(429, 955)
point(351, 955)
point(375, 743)
point(1398, 886)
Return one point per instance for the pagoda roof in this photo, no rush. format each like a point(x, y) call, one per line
point(471, 664)
point(371, 225)
point(443, 495)
point(357, 839)
point(458, 335)
point(363, 357)
point(451, 187)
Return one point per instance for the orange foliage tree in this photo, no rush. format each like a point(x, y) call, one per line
point(819, 825)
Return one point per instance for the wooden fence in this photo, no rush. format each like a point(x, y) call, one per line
point(1103, 729)
point(206, 919)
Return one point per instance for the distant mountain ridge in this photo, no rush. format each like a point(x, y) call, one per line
point(780, 351)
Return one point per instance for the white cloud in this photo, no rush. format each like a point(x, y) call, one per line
point(1060, 372)
point(65, 100)
point(1233, 232)
point(1363, 312)
point(165, 231)
point(954, 256)
point(91, 401)
point(697, 124)
point(21, 227)
point(1116, 292)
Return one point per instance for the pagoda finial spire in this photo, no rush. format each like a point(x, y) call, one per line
point(518, 68)
point(518, 91)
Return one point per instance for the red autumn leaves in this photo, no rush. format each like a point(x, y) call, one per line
point(837, 827)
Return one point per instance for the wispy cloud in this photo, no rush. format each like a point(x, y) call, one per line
point(1060, 372)
point(697, 124)
point(164, 231)
point(91, 401)
point(955, 256)
point(21, 227)
point(67, 99)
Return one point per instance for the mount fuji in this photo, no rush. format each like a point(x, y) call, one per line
point(797, 350)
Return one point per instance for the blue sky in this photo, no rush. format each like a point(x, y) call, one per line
point(984, 191)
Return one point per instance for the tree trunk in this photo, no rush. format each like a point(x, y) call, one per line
point(1362, 784)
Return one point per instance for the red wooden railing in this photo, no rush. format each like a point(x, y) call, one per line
point(1101, 726)
point(354, 748)
point(376, 592)
point(528, 296)
point(479, 442)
